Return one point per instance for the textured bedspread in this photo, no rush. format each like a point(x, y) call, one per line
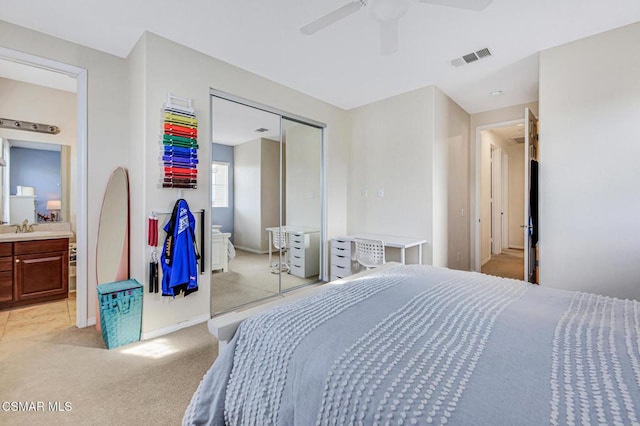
point(423, 345)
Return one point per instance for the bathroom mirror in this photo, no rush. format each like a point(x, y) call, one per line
point(112, 251)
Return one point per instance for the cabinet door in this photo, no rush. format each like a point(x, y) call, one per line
point(6, 286)
point(41, 276)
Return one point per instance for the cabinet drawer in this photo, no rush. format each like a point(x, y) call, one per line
point(340, 251)
point(297, 252)
point(341, 244)
point(340, 271)
point(6, 286)
point(6, 264)
point(296, 239)
point(343, 261)
point(6, 249)
point(41, 246)
point(297, 268)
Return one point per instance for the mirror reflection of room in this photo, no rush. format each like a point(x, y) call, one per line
point(260, 179)
point(38, 198)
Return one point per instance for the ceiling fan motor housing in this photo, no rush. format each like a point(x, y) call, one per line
point(387, 10)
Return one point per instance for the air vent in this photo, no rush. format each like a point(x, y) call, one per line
point(471, 57)
point(261, 130)
point(458, 62)
point(518, 140)
point(483, 53)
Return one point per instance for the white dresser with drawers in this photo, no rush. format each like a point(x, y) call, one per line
point(342, 259)
point(304, 253)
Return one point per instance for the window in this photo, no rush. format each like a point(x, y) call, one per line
point(219, 184)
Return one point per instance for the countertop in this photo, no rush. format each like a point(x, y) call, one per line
point(42, 231)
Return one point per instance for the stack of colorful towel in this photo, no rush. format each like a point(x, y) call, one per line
point(180, 148)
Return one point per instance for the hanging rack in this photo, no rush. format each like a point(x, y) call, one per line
point(156, 213)
point(9, 123)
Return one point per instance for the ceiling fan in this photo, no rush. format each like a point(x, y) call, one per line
point(387, 12)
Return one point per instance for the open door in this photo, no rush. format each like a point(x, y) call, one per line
point(530, 225)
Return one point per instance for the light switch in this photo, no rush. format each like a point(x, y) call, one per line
point(312, 195)
point(365, 192)
point(380, 192)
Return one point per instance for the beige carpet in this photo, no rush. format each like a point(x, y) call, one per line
point(249, 279)
point(143, 383)
point(508, 264)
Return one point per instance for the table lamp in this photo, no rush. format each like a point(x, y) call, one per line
point(54, 206)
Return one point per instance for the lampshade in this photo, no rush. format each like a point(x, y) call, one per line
point(54, 205)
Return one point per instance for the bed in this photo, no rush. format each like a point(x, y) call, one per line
point(424, 345)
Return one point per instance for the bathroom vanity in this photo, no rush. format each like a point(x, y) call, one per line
point(34, 267)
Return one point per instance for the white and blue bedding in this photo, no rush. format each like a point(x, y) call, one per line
point(424, 345)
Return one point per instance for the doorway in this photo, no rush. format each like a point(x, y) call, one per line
point(267, 202)
point(502, 200)
point(73, 163)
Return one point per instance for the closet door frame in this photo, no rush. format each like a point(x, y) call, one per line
point(303, 120)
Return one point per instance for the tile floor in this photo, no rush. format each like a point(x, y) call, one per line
point(32, 321)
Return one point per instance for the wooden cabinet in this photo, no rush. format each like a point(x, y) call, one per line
point(38, 271)
point(6, 273)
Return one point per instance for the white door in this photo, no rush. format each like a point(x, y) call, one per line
point(496, 200)
point(530, 153)
point(504, 215)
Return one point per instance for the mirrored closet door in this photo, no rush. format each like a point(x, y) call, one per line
point(266, 192)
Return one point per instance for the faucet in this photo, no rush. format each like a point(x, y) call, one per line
point(25, 227)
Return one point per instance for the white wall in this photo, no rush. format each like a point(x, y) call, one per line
point(478, 122)
point(107, 104)
point(589, 173)
point(191, 74)
point(39, 104)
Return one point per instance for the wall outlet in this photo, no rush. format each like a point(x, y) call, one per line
point(461, 212)
point(312, 195)
point(380, 192)
point(365, 192)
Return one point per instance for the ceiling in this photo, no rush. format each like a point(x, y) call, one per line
point(342, 64)
point(39, 76)
point(510, 133)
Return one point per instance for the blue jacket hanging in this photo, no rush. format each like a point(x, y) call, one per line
point(179, 256)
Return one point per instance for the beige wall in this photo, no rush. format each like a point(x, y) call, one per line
point(107, 123)
point(39, 104)
point(269, 189)
point(516, 195)
point(414, 147)
point(303, 187)
point(392, 149)
point(451, 185)
point(194, 81)
point(247, 173)
point(589, 151)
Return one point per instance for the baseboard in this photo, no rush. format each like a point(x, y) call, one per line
point(252, 250)
point(91, 321)
point(175, 327)
point(516, 247)
point(485, 260)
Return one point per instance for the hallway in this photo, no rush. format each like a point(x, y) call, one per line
point(508, 264)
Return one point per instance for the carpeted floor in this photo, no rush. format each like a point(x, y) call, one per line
point(508, 264)
point(143, 383)
point(249, 279)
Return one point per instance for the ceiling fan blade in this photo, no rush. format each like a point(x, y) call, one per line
point(332, 17)
point(461, 4)
point(389, 37)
